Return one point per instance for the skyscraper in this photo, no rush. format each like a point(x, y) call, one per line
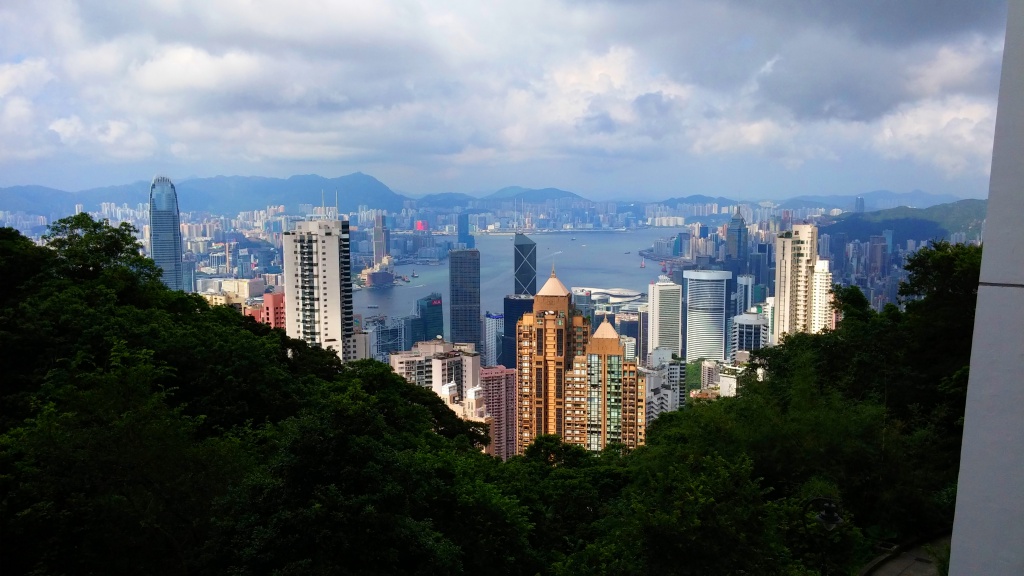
point(796, 253)
point(429, 321)
point(744, 293)
point(318, 280)
point(381, 238)
point(548, 340)
point(821, 297)
point(749, 333)
point(515, 305)
point(463, 237)
point(499, 384)
point(464, 292)
point(706, 317)
point(494, 329)
point(525, 261)
point(605, 396)
point(665, 299)
point(736, 246)
point(165, 231)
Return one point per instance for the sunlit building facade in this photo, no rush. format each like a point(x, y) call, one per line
point(318, 279)
point(548, 339)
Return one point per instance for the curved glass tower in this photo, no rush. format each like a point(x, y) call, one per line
point(165, 231)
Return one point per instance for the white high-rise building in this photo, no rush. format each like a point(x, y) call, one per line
point(629, 346)
point(821, 297)
point(665, 300)
point(749, 332)
point(744, 293)
point(706, 314)
point(434, 363)
point(318, 281)
point(796, 255)
point(666, 384)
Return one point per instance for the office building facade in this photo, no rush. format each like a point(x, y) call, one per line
point(494, 330)
point(514, 306)
point(736, 242)
point(665, 305)
point(462, 236)
point(749, 332)
point(706, 314)
point(165, 246)
point(464, 294)
point(429, 321)
point(525, 262)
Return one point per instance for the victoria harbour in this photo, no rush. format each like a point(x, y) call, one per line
point(600, 259)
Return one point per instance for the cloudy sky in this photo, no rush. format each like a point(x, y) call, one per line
point(643, 98)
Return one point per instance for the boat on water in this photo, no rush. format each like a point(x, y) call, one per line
point(414, 274)
point(643, 262)
point(573, 238)
point(373, 306)
point(627, 252)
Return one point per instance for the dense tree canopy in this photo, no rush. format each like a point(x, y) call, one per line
point(143, 431)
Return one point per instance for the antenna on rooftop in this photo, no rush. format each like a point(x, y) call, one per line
point(337, 210)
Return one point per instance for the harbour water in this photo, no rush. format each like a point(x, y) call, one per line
point(604, 259)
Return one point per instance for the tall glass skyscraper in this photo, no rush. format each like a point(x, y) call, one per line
point(429, 322)
point(165, 231)
point(462, 231)
point(525, 260)
point(464, 292)
point(736, 246)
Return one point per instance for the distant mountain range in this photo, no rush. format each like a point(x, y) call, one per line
point(532, 195)
point(876, 200)
point(233, 194)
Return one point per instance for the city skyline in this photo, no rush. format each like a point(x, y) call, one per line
point(604, 99)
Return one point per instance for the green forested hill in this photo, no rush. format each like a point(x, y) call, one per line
point(933, 223)
point(144, 432)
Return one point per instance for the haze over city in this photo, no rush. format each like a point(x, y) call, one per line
point(607, 99)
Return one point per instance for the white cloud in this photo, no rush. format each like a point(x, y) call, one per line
point(953, 134)
point(28, 76)
point(462, 88)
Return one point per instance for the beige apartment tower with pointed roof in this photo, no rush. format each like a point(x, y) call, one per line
point(559, 392)
point(547, 341)
point(612, 393)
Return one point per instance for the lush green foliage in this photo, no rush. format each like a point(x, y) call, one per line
point(142, 431)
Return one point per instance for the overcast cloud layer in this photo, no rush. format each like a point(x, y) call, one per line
point(743, 98)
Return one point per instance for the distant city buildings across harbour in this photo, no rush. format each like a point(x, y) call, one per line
point(594, 258)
